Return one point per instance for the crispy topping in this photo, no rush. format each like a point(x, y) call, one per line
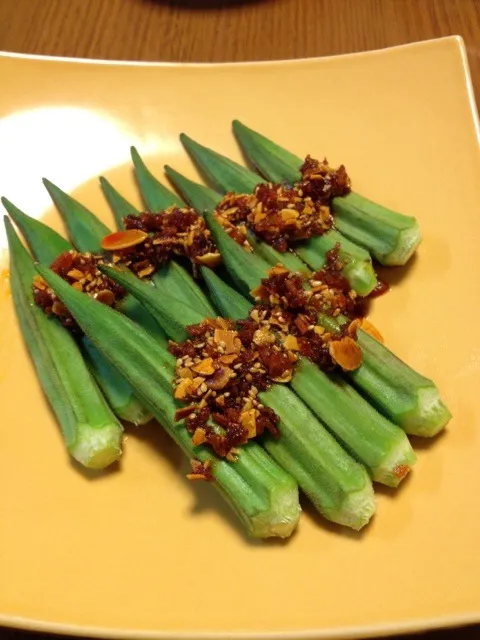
point(346, 353)
point(81, 271)
point(283, 214)
point(224, 410)
point(367, 326)
point(222, 367)
point(287, 309)
point(237, 232)
point(210, 259)
point(200, 470)
point(151, 239)
point(123, 239)
point(291, 343)
point(227, 341)
point(277, 213)
point(322, 183)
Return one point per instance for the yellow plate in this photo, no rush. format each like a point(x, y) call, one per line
point(140, 551)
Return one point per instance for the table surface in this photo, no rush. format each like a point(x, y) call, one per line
point(168, 30)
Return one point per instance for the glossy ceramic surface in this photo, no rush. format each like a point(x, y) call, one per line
point(140, 551)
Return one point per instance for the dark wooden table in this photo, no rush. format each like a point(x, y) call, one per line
point(209, 31)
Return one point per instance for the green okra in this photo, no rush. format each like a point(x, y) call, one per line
point(263, 495)
point(118, 204)
point(85, 229)
point(338, 486)
point(155, 195)
point(390, 237)
point(204, 200)
point(91, 432)
point(413, 401)
point(228, 176)
point(46, 245)
point(380, 445)
point(407, 398)
point(86, 232)
point(172, 320)
point(171, 278)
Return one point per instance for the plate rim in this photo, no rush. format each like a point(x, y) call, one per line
point(350, 632)
point(416, 625)
point(418, 44)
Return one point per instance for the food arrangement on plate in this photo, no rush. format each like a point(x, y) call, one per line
point(235, 315)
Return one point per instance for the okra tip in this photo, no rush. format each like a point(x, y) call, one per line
point(6, 202)
point(12, 210)
point(190, 144)
point(136, 157)
point(49, 185)
point(184, 138)
point(238, 126)
point(54, 191)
